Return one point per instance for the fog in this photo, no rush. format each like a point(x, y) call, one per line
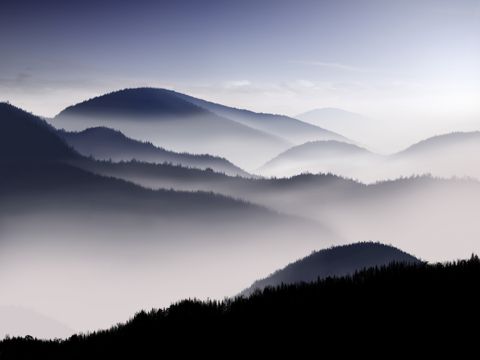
point(89, 271)
point(197, 134)
point(86, 244)
point(450, 155)
point(432, 218)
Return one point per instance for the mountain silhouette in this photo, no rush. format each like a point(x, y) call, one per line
point(376, 303)
point(290, 129)
point(35, 160)
point(447, 155)
point(183, 123)
point(414, 212)
point(320, 156)
point(25, 137)
point(334, 262)
point(107, 144)
point(442, 143)
point(167, 120)
point(141, 102)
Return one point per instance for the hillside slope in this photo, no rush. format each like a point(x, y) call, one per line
point(169, 121)
point(374, 303)
point(107, 144)
point(334, 262)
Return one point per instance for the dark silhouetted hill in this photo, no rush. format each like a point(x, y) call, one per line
point(24, 136)
point(104, 143)
point(400, 302)
point(167, 120)
point(38, 172)
point(334, 262)
point(141, 102)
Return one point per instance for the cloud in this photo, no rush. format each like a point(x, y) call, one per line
point(237, 84)
point(332, 65)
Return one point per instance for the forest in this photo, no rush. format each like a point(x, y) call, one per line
point(394, 304)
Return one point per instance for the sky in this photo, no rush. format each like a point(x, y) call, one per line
point(415, 62)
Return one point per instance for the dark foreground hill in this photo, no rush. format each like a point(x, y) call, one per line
point(336, 261)
point(402, 305)
point(24, 136)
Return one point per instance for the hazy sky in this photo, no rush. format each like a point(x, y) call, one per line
point(406, 60)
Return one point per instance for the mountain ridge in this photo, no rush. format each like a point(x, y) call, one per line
point(104, 143)
point(336, 261)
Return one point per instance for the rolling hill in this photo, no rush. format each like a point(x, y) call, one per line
point(290, 129)
point(379, 303)
point(166, 120)
point(25, 137)
point(334, 262)
point(72, 237)
point(414, 213)
point(332, 156)
point(446, 156)
point(103, 143)
point(185, 124)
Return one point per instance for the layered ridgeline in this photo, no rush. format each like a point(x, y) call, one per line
point(74, 239)
point(26, 138)
point(332, 156)
point(376, 303)
point(449, 155)
point(293, 130)
point(185, 124)
point(334, 262)
point(422, 214)
point(445, 155)
point(374, 133)
point(103, 143)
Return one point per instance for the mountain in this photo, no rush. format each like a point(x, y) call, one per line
point(376, 303)
point(448, 155)
point(169, 121)
point(107, 144)
point(73, 236)
point(25, 137)
point(186, 124)
point(321, 156)
point(290, 129)
point(334, 262)
point(443, 144)
point(344, 122)
point(414, 213)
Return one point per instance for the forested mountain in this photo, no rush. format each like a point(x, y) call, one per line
point(104, 143)
point(337, 261)
point(382, 303)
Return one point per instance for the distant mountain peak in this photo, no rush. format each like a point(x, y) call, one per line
point(442, 141)
point(134, 101)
